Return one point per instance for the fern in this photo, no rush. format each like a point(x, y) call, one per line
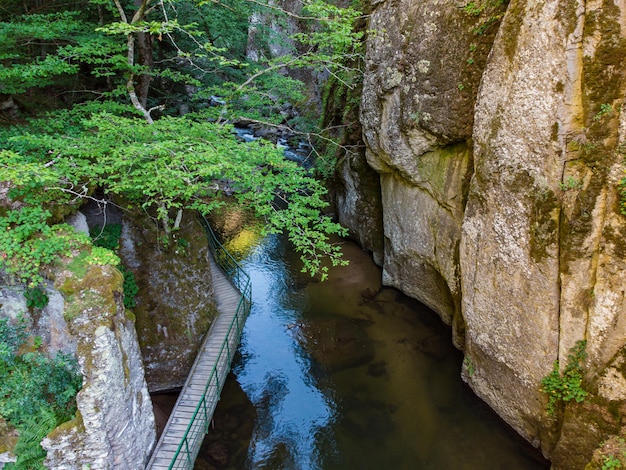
point(30, 454)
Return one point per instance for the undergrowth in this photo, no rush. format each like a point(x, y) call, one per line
point(37, 393)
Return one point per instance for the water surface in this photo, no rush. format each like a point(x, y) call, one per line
point(345, 374)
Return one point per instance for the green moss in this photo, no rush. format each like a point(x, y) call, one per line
point(543, 216)
point(131, 316)
point(77, 425)
point(8, 436)
point(437, 167)
point(567, 16)
point(617, 240)
point(554, 132)
point(603, 73)
point(511, 27)
point(127, 374)
point(78, 265)
point(88, 287)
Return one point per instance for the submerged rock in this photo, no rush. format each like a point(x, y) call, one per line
point(336, 344)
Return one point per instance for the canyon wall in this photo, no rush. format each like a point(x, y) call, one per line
point(175, 303)
point(498, 134)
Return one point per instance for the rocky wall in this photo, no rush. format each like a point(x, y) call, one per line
point(497, 130)
point(175, 304)
point(417, 115)
point(114, 426)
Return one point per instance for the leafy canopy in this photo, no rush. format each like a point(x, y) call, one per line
point(145, 154)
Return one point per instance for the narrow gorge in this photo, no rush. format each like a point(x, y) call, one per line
point(480, 162)
point(498, 138)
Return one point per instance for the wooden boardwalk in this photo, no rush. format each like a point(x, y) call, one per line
point(184, 432)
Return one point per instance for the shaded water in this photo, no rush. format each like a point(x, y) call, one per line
point(345, 375)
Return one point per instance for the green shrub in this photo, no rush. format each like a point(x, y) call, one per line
point(36, 297)
point(567, 385)
point(28, 243)
point(107, 236)
point(611, 462)
point(130, 288)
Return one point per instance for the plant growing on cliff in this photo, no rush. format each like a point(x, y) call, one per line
point(37, 393)
point(566, 385)
point(487, 13)
point(28, 243)
point(611, 462)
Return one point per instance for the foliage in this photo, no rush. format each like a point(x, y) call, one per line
point(36, 297)
point(469, 365)
point(611, 462)
point(41, 49)
point(30, 454)
point(31, 381)
point(130, 287)
point(605, 110)
point(178, 163)
point(107, 236)
point(28, 243)
point(487, 13)
point(36, 393)
point(567, 385)
point(571, 183)
point(161, 164)
point(103, 257)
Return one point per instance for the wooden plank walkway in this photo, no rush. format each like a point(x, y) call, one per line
point(193, 411)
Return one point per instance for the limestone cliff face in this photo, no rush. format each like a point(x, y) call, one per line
point(114, 426)
point(500, 156)
point(417, 115)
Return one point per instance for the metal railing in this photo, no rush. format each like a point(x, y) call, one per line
point(198, 427)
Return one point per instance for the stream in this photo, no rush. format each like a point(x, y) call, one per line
point(346, 374)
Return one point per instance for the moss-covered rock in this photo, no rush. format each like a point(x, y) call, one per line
point(175, 304)
point(114, 426)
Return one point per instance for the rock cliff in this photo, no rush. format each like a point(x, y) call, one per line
point(175, 304)
point(114, 426)
point(85, 316)
point(498, 133)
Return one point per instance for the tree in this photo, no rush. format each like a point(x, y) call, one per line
point(167, 163)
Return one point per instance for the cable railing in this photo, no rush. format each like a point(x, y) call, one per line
point(198, 427)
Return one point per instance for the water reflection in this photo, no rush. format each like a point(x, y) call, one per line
point(274, 371)
point(344, 374)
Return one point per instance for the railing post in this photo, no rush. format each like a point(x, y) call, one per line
point(206, 415)
point(189, 463)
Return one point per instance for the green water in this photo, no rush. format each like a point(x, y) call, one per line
point(345, 374)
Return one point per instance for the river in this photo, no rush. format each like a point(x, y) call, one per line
point(346, 374)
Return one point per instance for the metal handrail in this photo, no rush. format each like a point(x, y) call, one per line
point(189, 446)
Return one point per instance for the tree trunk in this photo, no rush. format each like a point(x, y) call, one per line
point(144, 58)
